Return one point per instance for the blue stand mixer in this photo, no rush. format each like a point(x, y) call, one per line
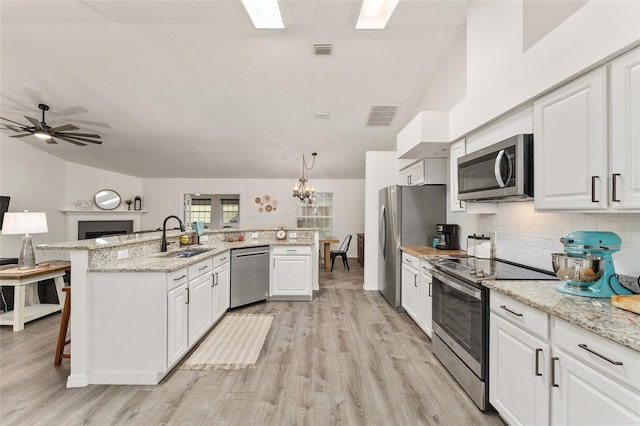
point(586, 266)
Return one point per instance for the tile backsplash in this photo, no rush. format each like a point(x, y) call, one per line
point(529, 237)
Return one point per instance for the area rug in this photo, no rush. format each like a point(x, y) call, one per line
point(234, 344)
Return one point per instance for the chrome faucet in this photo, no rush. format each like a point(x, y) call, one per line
point(163, 244)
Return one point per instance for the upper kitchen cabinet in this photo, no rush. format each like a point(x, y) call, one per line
point(427, 135)
point(570, 145)
point(577, 167)
point(625, 131)
point(428, 171)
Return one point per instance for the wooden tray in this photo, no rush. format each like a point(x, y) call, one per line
point(629, 303)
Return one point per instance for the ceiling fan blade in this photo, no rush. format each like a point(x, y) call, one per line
point(22, 135)
point(51, 141)
point(10, 127)
point(64, 128)
point(35, 122)
point(84, 135)
point(66, 137)
point(11, 121)
point(72, 141)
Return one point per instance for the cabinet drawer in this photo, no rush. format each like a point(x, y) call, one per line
point(291, 250)
point(220, 259)
point(593, 349)
point(530, 319)
point(200, 268)
point(410, 260)
point(177, 278)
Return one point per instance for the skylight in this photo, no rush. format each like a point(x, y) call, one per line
point(374, 14)
point(265, 14)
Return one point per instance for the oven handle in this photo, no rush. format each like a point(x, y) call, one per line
point(458, 285)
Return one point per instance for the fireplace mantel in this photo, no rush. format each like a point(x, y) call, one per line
point(75, 216)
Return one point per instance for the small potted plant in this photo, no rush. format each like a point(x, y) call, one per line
point(128, 203)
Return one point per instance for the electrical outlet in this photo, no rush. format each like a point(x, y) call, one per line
point(293, 235)
point(254, 235)
point(123, 254)
point(204, 238)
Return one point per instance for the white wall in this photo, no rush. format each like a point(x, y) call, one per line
point(164, 197)
point(501, 76)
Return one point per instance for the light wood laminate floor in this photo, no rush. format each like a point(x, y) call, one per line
point(345, 358)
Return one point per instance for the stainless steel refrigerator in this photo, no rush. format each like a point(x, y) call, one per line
point(408, 217)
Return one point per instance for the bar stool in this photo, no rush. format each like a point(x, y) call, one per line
point(64, 324)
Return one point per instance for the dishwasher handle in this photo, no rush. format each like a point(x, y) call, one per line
point(259, 253)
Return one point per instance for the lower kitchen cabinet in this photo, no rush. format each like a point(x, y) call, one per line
point(177, 317)
point(547, 371)
point(290, 273)
point(425, 298)
point(409, 285)
point(221, 285)
point(200, 299)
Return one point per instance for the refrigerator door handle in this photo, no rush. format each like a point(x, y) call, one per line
point(383, 231)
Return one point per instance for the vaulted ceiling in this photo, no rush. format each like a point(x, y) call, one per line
point(190, 89)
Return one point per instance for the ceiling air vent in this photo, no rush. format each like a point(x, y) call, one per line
point(382, 115)
point(323, 49)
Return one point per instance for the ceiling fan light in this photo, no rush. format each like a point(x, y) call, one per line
point(374, 14)
point(42, 135)
point(264, 14)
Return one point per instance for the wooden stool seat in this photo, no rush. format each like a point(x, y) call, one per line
point(64, 325)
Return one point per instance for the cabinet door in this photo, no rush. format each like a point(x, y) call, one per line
point(291, 276)
point(518, 374)
point(177, 319)
point(458, 149)
point(417, 173)
point(221, 288)
point(582, 396)
point(405, 176)
point(425, 311)
point(625, 130)
point(409, 291)
point(570, 145)
point(200, 299)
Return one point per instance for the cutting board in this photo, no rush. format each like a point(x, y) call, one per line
point(629, 303)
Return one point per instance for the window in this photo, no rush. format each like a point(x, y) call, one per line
point(201, 210)
point(318, 214)
point(230, 210)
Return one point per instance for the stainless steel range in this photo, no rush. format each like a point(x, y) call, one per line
point(461, 317)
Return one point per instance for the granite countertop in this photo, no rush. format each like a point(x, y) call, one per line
point(593, 314)
point(158, 263)
point(431, 251)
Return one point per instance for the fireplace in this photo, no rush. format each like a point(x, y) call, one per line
point(89, 229)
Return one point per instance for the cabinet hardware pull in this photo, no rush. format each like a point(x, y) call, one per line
point(186, 301)
point(586, 348)
point(460, 202)
point(538, 351)
point(203, 268)
point(215, 279)
point(553, 372)
point(614, 191)
point(179, 278)
point(430, 290)
point(510, 311)
point(593, 189)
point(222, 259)
point(415, 280)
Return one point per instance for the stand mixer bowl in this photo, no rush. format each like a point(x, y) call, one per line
point(578, 271)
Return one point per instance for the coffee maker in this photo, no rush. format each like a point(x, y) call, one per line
point(448, 236)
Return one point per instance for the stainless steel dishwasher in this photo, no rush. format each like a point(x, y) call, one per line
point(249, 275)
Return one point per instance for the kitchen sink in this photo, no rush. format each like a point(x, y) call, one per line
point(186, 253)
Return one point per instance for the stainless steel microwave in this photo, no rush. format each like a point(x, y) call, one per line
point(500, 172)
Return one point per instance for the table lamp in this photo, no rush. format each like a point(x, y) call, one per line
point(25, 223)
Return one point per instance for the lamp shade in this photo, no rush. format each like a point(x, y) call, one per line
point(24, 223)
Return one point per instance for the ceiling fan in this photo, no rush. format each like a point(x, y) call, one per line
point(43, 131)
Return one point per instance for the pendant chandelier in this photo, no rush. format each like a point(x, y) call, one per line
point(303, 189)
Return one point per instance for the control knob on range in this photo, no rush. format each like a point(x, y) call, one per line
point(472, 271)
point(480, 274)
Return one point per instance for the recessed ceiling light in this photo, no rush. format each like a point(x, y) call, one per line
point(265, 14)
point(374, 14)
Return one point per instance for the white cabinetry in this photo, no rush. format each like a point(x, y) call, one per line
point(570, 145)
point(410, 282)
point(221, 285)
point(625, 130)
point(200, 300)
point(290, 273)
point(548, 371)
point(427, 135)
point(425, 298)
point(177, 316)
point(458, 149)
point(428, 171)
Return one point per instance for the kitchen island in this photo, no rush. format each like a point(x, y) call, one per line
point(128, 317)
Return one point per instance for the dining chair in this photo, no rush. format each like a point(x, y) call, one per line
point(342, 252)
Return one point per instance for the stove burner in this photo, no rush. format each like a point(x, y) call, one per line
point(475, 270)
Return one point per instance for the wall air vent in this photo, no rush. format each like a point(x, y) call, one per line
point(382, 115)
point(323, 49)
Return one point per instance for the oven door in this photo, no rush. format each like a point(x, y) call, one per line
point(459, 319)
